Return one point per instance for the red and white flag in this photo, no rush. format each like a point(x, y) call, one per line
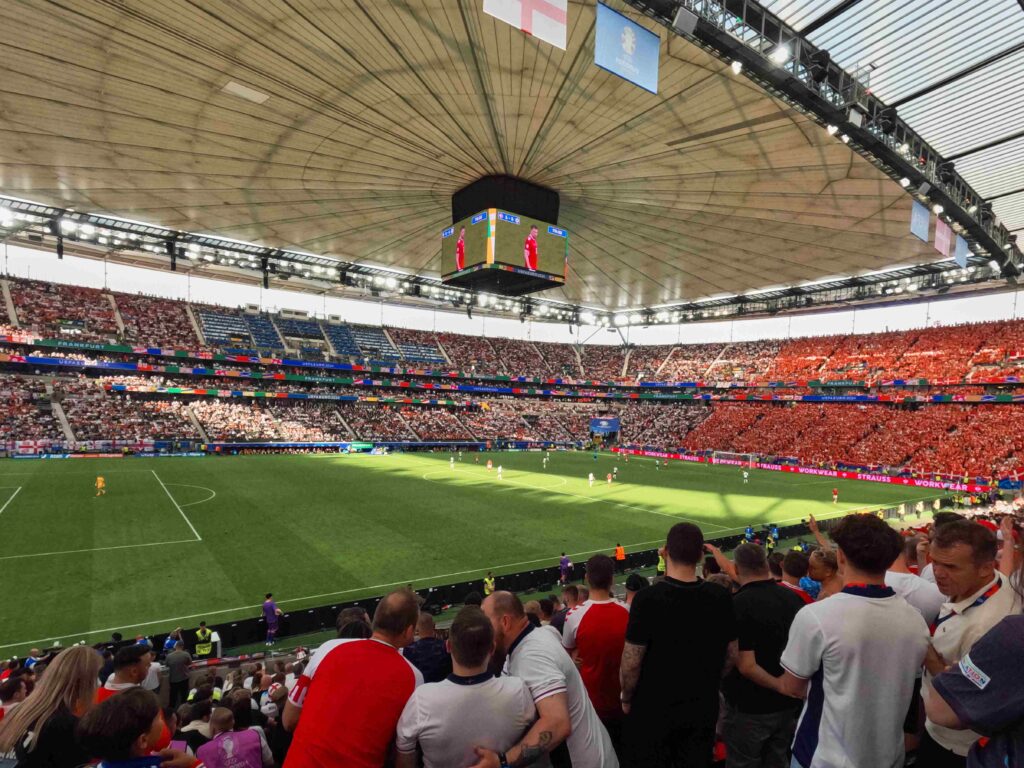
point(546, 20)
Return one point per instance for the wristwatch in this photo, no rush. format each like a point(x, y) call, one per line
point(503, 760)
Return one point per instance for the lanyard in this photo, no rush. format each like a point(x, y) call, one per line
point(980, 601)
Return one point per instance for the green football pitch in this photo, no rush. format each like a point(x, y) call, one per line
point(178, 540)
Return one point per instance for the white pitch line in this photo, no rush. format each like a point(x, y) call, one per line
point(178, 506)
point(98, 549)
point(211, 497)
point(552, 559)
point(16, 492)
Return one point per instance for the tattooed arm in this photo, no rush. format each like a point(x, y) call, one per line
point(551, 729)
point(629, 672)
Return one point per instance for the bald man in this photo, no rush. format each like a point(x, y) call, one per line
point(564, 711)
point(345, 706)
point(429, 653)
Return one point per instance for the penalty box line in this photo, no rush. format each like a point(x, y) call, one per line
point(17, 490)
point(177, 506)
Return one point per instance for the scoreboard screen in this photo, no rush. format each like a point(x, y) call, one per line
point(498, 237)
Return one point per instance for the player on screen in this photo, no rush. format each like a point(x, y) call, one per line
point(101, 486)
point(460, 251)
point(590, 479)
point(835, 495)
point(530, 249)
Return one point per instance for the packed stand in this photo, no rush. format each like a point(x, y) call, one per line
point(473, 354)
point(664, 426)
point(802, 358)
point(559, 359)
point(84, 314)
point(496, 419)
point(435, 424)
point(646, 361)
point(227, 421)
point(25, 411)
point(518, 357)
point(156, 322)
point(602, 363)
point(690, 362)
point(744, 361)
point(376, 422)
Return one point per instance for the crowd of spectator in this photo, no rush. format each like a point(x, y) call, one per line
point(25, 412)
point(880, 648)
point(376, 422)
point(435, 423)
point(156, 322)
point(64, 311)
point(602, 363)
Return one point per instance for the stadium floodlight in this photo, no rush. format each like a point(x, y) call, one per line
point(832, 129)
point(68, 225)
point(587, 318)
point(781, 55)
point(904, 182)
point(973, 208)
point(621, 319)
point(635, 319)
point(87, 230)
point(5, 221)
point(937, 209)
point(994, 264)
point(737, 67)
point(846, 138)
point(391, 283)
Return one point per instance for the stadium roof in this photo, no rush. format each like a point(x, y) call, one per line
point(344, 130)
point(955, 71)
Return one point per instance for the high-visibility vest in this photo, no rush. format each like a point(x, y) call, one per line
point(620, 553)
point(661, 564)
point(488, 586)
point(204, 646)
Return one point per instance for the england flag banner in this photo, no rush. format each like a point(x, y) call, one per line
point(546, 20)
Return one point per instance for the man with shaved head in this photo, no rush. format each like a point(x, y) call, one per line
point(428, 653)
point(564, 711)
point(345, 706)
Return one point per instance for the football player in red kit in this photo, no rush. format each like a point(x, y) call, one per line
point(460, 251)
point(530, 249)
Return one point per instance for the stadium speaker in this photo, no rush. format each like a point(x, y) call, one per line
point(685, 21)
point(925, 188)
point(60, 246)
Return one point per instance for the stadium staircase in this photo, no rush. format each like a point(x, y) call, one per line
point(195, 324)
point(721, 356)
point(408, 426)
point(194, 420)
point(62, 419)
point(117, 312)
point(5, 288)
point(625, 363)
point(664, 362)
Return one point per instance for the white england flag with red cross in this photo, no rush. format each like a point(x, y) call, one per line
point(546, 20)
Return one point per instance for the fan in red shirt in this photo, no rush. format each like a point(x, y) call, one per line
point(595, 633)
point(460, 251)
point(530, 249)
point(345, 706)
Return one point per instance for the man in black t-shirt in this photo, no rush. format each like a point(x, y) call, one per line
point(676, 642)
point(759, 723)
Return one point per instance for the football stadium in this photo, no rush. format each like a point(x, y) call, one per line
point(508, 382)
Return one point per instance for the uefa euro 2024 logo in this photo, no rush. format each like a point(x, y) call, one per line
point(628, 41)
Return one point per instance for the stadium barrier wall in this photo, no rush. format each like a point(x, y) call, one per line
point(841, 474)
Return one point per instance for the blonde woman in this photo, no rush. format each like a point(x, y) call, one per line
point(42, 730)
